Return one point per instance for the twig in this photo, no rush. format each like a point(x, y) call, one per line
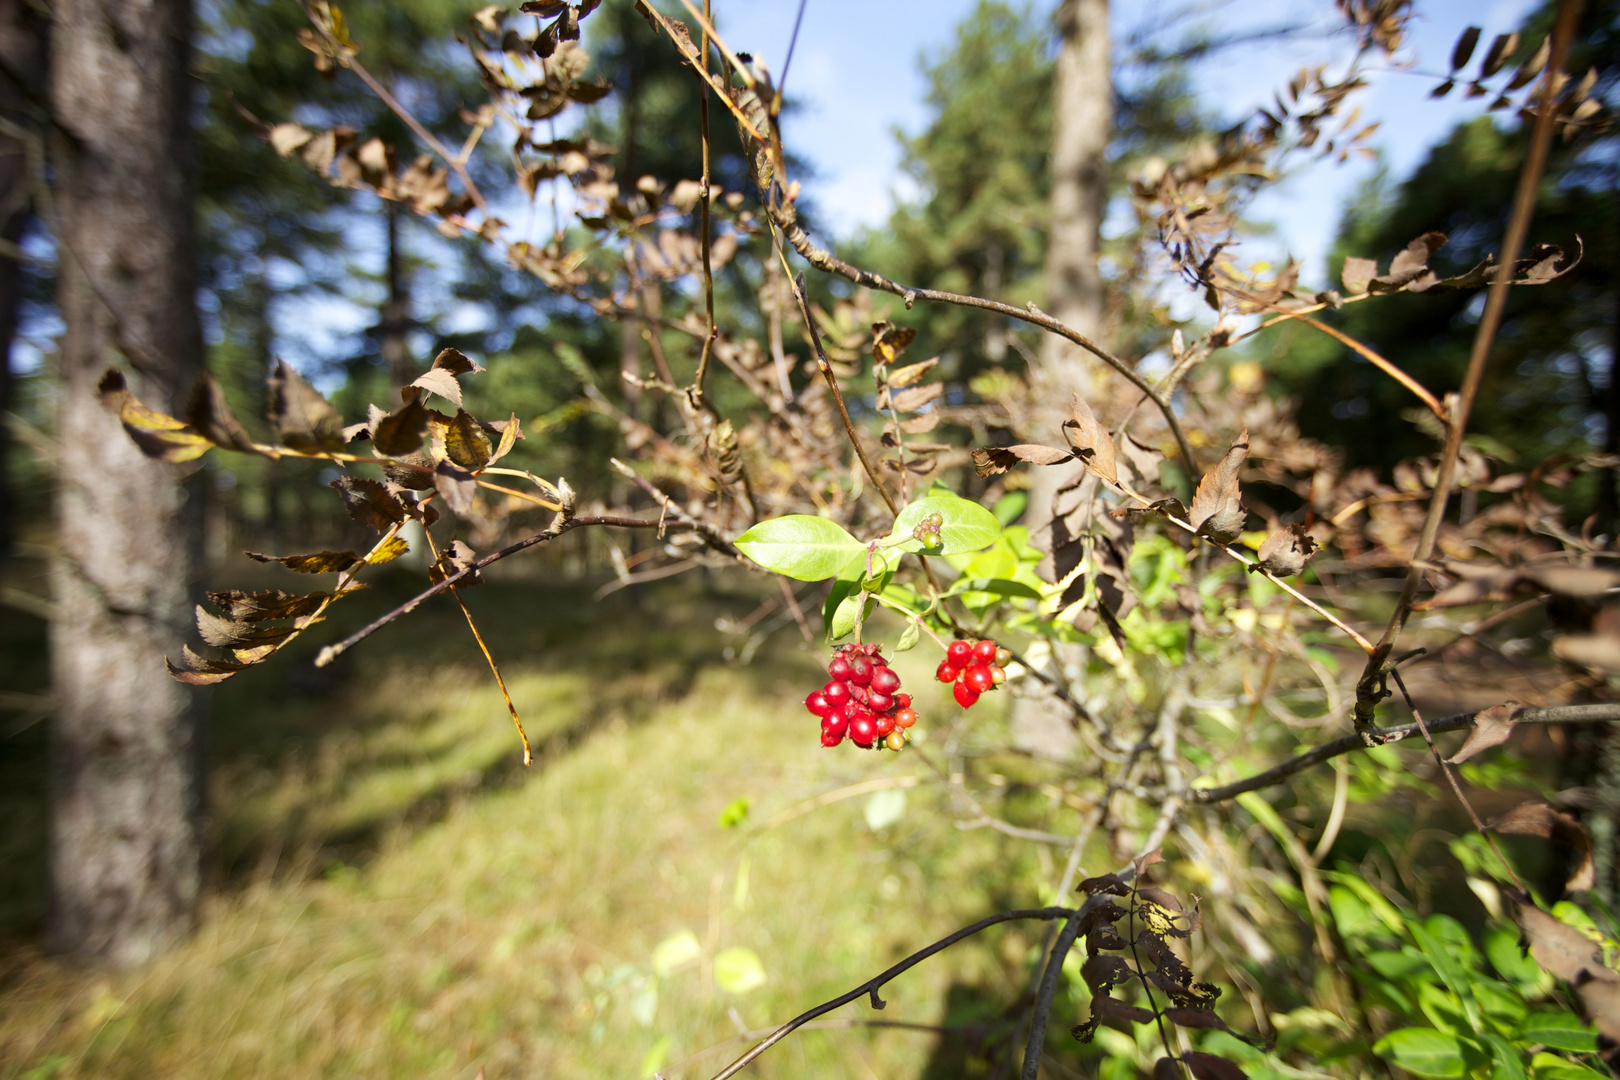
point(711, 536)
point(556, 529)
point(1043, 999)
point(1369, 688)
point(1556, 714)
point(1380, 363)
point(832, 384)
point(708, 269)
point(1451, 778)
point(872, 986)
point(798, 612)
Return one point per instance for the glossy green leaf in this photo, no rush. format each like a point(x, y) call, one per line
point(737, 970)
point(1559, 1030)
point(1545, 1066)
point(800, 546)
point(1451, 972)
point(968, 526)
point(1423, 1052)
point(1509, 1066)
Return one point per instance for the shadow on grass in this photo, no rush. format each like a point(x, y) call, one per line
point(310, 769)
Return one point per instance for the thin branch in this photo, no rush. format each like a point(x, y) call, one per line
point(713, 537)
point(872, 986)
point(1380, 363)
point(1555, 714)
point(1043, 999)
point(838, 396)
point(556, 529)
point(1369, 688)
point(708, 269)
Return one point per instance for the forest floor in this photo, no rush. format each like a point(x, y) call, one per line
point(392, 894)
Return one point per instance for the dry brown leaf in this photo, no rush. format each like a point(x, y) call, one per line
point(1541, 820)
point(1091, 441)
point(1492, 727)
point(1286, 551)
point(1217, 508)
point(994, 460)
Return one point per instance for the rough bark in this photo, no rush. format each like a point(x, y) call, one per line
point(1082, 125)
point(394, 323)
point(23, 38)
point(124, 773)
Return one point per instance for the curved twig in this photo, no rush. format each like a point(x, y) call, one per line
point(873, 985)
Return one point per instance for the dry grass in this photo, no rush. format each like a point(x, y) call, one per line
point(468, 916)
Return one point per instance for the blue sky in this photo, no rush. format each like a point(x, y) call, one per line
point(857, 76)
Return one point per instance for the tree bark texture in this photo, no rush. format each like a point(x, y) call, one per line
point(1082, 126)
point(23, 37)
point(125, 769)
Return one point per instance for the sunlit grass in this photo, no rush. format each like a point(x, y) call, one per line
point(403, 901)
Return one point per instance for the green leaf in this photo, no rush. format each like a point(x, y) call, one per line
point(737, 970)
point(1508, 1064)
point(675, 952)
point(884, 808)
point(1559, 1030)
point(1450, 971)
point(838, 613)
point(908, 638)
point(800, 546)
point(1547, 1066)
point(735, 813)
point(968, 526)
point(1423, 1051)
point(999, 587)
point(1010, 507)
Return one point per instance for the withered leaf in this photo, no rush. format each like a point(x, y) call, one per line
point(1572, 956)
point(155, 434)
point(1112, 884)
point(268, 604)
point(211, 415)
point(1101, 973)
point(1598, 651)
point(1161, 898)
point(320, 562)
point(1211, 1067)
point(219, 631)
point(890, 341)
point(1166, 1069)
point(993, 460)
point(369, 502)
point(465, 441)
point(1091, 441)
point(387, 551)
point(1357, 274)
point(440, 378)
point(921, 425)
point(1188, 1017)
point(1410, 264)
point(413, 471)
point(400, 432)
point(511, 431)
point(1492, 727)
point(204, 672)
point(902, 377)
point(1464, 49)
point(456, 486)
point(1106, 1008)
point(304, 419)
point(916, 397)
point(1541, 820)
point(1286, 551)
point(1502, 48)
point(1217, 509)
point(453, 560)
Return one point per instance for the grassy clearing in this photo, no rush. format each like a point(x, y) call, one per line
point(396, 898)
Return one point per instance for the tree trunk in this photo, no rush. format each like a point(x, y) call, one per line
point(125, 769)
point(23, 37)
point(1082, 125)
point(395, 317)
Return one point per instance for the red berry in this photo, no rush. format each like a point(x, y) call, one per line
point(839, 669)
point(863, 731)
point(818, 704)
point(978, 679)
point(885, 681)
point(860, 670)
point(858, 693)
point(877, 658)
point(905, 718)
point(836, 693)
point(902, 701)
point(965, 695)
point(829, 739)
point(853, 710)
point(895, 741)
point(985, 651)
point(879, 702)
point(837, 724)
point(885, 724)
point(946, 672)
point(959, 653)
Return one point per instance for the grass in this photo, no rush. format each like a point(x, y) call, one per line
point(394, 896)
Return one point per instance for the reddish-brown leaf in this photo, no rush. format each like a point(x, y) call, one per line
point(369, 502)
point(1286, 551)
point(1091, 441)
point(1541, 820)
point(320, 562)
point(1210, 1067)
point(1492, 727)
point(1217, 507)
point(211, 415)
point(1572, 956)
point(992, 460)
point(304, 419)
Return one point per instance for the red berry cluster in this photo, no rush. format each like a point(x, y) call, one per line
point(974, 666)
point(862, 700)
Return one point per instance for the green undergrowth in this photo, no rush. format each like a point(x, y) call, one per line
point(393, 895)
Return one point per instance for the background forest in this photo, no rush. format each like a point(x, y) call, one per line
point(308, 854)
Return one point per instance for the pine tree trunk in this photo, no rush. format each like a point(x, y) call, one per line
point(23, 40)
point(1082, 125)
point(125, 770)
